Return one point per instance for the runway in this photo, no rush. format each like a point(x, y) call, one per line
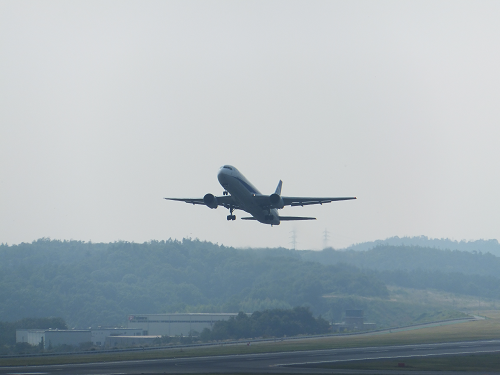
point(286, 362)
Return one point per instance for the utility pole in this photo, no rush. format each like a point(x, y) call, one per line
point(293, 239)
point(326, 237)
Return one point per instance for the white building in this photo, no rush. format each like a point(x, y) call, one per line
point(56, 337)
point(175, 324)
point(53, 337)
point(30, 336)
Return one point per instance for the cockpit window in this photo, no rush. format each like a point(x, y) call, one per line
point(227, 167)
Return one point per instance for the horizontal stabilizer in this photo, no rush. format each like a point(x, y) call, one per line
point(290, 218)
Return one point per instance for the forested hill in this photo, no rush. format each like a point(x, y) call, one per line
point(409, 258)
point(90, 284)
point(453, 271)
point(485, 246)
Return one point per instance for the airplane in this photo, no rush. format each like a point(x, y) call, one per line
point(240, 194)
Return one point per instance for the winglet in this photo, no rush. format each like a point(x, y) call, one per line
point(278, 188)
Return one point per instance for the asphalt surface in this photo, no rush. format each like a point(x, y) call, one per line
point(287, 362)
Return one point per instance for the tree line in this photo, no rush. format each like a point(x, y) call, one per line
point(269, 323)
point(478, 246)
point(410, 257)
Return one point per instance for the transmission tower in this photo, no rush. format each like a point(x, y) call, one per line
point(326, 237)
point(293, 239)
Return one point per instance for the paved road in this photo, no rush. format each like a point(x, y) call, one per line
point(289, 362)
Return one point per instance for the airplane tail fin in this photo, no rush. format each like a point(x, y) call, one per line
point(278, 188)
point(290, 218)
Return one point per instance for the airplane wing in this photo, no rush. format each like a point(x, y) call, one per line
point(306, 201)
point(226, 201)
point(187, 200)
point(289, 218)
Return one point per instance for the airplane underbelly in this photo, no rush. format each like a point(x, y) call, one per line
point(246, 201)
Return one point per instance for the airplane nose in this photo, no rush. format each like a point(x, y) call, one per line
point(221, 175)
point(224, 171)
point(224, 174)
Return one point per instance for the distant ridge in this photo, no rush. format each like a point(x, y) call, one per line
point(483, 246)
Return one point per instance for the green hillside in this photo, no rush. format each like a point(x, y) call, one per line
point(100, 284)
point(90, 284)
point(408, 258)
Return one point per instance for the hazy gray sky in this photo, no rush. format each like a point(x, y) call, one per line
point(107, 107)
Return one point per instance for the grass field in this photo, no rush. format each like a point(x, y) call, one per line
point(444, 300)
point(492, 314)
point(407, 306)
point(482, 362)
point(475, 330)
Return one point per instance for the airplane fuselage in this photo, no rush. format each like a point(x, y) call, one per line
point(244, 192)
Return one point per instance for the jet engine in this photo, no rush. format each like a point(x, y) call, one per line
point(276, 201)
point(210, 201)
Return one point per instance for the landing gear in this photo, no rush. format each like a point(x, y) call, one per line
point(225, 192)
point(231, 216)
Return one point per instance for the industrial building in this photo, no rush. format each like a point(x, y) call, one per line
point(142, 330)
point(354, 318)
point(52, 337)
point(99, 335)
point(353, 321)
point(55, 337)
point(175, 324)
